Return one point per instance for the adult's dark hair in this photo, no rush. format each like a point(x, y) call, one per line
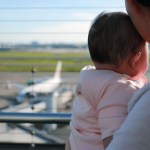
point(112, 37)
point(144, 2)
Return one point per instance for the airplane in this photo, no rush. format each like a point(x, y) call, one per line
point(44, 87)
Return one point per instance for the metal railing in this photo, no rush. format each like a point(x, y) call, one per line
point(34, 118)
point(14, 117)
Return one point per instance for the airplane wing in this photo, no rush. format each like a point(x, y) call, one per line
point(36, 80)
point(10, 85)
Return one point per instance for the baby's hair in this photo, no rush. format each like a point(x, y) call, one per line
point(112, 37)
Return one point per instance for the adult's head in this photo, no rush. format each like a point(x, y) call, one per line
point(139, 10)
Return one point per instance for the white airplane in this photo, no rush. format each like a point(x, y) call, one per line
point(44, 87)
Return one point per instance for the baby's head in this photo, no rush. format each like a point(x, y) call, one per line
point(113, 41)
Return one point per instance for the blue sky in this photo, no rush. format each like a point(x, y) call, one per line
point(69, 24)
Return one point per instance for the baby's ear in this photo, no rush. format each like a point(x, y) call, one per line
point(135, 59)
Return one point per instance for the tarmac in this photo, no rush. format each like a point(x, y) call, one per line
point(8, 98)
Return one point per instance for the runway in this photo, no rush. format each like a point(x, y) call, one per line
point(8, 93)
point(22, 133)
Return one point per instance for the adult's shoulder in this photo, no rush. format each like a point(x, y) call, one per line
point(140, 96)
point(134, 133)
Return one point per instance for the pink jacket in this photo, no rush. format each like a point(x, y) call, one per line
point(100, 107)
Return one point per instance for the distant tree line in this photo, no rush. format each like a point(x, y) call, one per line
point(36, 45)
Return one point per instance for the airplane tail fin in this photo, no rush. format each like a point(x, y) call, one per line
point(58, 70)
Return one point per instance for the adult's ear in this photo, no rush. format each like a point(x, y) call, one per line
point(135, 59)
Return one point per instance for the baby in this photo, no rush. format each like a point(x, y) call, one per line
point(120, 58)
